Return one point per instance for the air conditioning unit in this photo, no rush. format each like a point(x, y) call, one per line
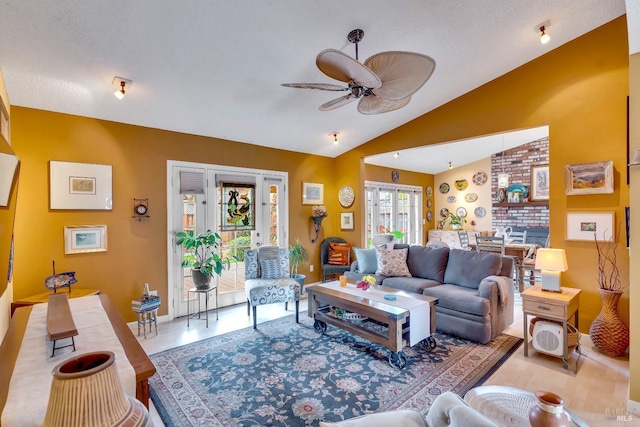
point(547, 337)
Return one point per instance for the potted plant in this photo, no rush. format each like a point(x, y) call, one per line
point(204, 261)
point(456, 221)
point(298, 255)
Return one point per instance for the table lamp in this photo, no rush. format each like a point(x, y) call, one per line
point(551, 262)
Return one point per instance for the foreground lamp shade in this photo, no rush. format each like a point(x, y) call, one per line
point(86, 392)
point(551, 262)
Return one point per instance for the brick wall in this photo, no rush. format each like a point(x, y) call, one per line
point(517, 163)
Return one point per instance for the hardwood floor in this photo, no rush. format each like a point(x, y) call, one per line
point(597, 392)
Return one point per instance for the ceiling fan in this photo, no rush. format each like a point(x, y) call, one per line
point(385, 82)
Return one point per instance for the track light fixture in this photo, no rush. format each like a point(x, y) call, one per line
point(335, 137)
point(450, 165)
point(396, 155)
point(544, 37)
point(120, 83)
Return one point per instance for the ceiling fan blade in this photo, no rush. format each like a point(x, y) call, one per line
point(320, 86)
point(401, 73)
point(338, 102)
point(377, 105)
point(340, 66)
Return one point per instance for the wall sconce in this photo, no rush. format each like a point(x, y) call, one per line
point(120, 83)
point(551, 262)
point(317, 222)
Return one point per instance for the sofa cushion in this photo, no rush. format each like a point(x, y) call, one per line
point(410, 284)
point(392, 262)
point(271, 269)
point(468, 268)
point(339, 253)
point(367, 262)
point(428, 262)
point(454, 297)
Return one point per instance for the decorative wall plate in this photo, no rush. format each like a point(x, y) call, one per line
point(444, 188)
point(461, 212)
point(395, 176)
point(470, 197)
point(444, 212)
point(461, 184)
point(429, 203)
point(479, 178)
point(451, 199)
point(429, 191)
point(429, 215)
point(479, 212)
point(346, 196)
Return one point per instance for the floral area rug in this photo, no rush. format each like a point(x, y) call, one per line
point(286, 374)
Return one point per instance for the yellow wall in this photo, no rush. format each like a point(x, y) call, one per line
point(137, 251)
point(579, 90)
point(634, 173)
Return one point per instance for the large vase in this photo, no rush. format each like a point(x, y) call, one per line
point(200, 279)
point(608, 332)
point(548, 411)
point(86, 392)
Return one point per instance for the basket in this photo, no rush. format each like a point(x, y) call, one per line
point(341, 313)
point(573, 336)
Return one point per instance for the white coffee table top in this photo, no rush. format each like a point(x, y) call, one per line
point(508, 405)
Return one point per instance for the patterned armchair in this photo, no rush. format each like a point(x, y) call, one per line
point(267, 279)
point(331, 269)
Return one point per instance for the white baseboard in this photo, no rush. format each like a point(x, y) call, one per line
point(161, 319)
point(633, 407)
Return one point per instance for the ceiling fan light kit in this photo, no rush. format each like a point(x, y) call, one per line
point(385, 82)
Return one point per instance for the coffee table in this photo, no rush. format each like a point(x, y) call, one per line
point(508, 405)
point(328, 299)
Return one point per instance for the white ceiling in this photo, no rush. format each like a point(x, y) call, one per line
point(214, 68)
point(434, 159)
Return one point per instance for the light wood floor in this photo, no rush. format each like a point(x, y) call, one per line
point(597, 391)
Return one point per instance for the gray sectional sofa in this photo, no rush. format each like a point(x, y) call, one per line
point(475, 290)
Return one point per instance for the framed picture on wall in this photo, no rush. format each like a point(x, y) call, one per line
point(587, 226)
point(312, 193)
point(539, 189)
point(85, 238)
point(346, 220)
point(589, 178)
point(79, 186)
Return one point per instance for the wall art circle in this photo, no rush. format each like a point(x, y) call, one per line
point(444, 212)
point(461, 184)
point(480, 212)
point(470, 197)
point(429, 203)
point(444, 188)
point(429, 191)
point(451, 199)
point(479, 178)
point(429, 215)
point(461, 212)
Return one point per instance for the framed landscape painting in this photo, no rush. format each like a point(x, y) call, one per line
point(85, 238)
point(312, 193)
point(589, 178)
point(79, 186)
point(587, 225)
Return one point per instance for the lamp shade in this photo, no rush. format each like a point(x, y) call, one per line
point(551, 259)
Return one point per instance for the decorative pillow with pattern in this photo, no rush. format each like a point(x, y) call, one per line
point(339, 253)
point(271, 269)
point(392, 262)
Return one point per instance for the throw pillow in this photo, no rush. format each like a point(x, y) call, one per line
point(271, 269)
point(367, 263)
point(392, 262)
point(339, 253)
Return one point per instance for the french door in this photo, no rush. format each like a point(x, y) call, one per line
point(199, 199)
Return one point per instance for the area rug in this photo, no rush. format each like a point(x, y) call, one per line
point(286, 374)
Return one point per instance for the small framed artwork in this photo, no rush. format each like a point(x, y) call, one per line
point(539, 189)
point(312, 193)
point(589, 178)
point(85, 238)
point(80, 186)
point(587, 226)
point(346, 220)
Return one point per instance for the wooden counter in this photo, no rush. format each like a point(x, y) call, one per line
point(10, 347)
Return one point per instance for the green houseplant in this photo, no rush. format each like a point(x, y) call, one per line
point(456, 221)
point(204, 260)
point(298, 255)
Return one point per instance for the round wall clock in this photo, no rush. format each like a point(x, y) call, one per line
point(395, 176)
point(141, 209)
point(346, 196)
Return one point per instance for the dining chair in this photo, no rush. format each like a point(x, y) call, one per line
point(529, 264)
point(518, 236)
point(464, 240)
point(490, 244)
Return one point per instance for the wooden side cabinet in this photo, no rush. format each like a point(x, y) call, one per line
point(558, 306)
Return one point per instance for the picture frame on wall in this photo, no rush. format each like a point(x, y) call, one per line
point(85, 239)
point(312, 193)
point(80, 186)
point(539, 189)
point(589, 178)
point(586, 226)
point(346, 220)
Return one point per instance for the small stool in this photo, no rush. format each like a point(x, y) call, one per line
point(147, 309)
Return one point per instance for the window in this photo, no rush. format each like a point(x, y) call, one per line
point(394, 208)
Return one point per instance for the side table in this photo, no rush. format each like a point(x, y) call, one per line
point(199, 292)
point(147, 309)
point(508, 406)
point(559, 306)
